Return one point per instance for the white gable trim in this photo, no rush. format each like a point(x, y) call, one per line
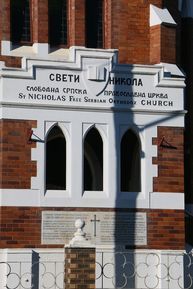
point(160, 16)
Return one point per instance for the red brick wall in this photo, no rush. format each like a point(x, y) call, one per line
point(136, 40)
point(11, 61)
point(76, 22)
point(5, 33)
point(107, 23)
point(39, 21)
point(170, 160)
point(165, 41)
point(130, 30)
point(126, 28)
point(172, 6)
point(21, 227)
point(166, 229)
point(168, 44)
point(5, 19)
point(155, 48)
point(16, 167)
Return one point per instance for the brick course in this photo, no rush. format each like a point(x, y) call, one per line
point(21, 227)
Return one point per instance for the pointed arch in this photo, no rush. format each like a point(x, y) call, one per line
point(130, 162)
point(55, 159)
point(93, 161)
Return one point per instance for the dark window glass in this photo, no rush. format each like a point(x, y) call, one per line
point(93, 161)
point(130, 163)
point(20, 21)
point(94, 23)
point(55, 160)
point(57, 22)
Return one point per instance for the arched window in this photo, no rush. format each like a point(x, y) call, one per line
point(130, 163)
point(55, 160)
point(57, 12)
point(93, 161)
point(20, 21)
point(94, 23)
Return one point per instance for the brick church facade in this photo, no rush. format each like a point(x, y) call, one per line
point(149, 40)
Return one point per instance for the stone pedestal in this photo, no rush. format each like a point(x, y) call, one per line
point(80, 260)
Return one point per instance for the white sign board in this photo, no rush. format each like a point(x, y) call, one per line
point(95, 84)
point(106, 228)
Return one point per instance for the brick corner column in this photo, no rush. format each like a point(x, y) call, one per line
point(79, 268)
point(40, 21)
point(76, 22)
